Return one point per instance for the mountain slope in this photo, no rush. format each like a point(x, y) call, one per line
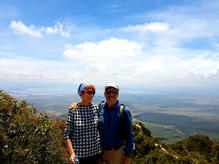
point(29, 136)
point(195, 149)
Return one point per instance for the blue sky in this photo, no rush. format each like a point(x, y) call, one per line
point(132, 43)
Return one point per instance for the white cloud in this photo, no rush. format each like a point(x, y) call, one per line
point(58, 28)
point(128, 62)
point(20, 28)
point(34, 70)
point(148, 27)
point(176, 68)
point(146, 54)
point(194, 21)
point(143, 69)
point(103, 51)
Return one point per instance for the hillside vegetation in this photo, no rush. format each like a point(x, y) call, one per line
point(198, 149)
point(30, 136)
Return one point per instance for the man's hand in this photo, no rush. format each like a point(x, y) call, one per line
point(72, 158)
point(73, 106)
point(127, 160)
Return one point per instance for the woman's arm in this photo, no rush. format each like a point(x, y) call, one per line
point(70, 150)
point(68, 133)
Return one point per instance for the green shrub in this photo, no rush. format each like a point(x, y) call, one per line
point(28, 136)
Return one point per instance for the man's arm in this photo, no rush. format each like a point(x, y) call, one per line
point(127, 118)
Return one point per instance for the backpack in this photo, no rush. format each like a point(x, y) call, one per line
point(121, 109)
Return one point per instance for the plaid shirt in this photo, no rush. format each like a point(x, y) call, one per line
point(81, 128)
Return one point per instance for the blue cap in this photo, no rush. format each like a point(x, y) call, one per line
point(81, 88)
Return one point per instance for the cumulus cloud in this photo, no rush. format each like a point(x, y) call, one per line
point(148, 27)
point(128, 62)
point(106, 50)
point(20, 28)
point(58, 28)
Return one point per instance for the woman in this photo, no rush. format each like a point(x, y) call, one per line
point(81, 132)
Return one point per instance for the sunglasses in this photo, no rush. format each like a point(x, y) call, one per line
point(111, 92)
point(90, 92)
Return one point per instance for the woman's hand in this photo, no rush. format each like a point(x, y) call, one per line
point(127, 160)
point(72, 158)
point(73, 106)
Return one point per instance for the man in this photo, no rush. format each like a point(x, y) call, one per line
point(115, 128)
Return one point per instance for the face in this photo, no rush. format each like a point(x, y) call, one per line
point(111, 95)
point(88, 95)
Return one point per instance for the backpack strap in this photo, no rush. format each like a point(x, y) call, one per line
point(121, 109)
point(121, 122)
point(101, 105)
